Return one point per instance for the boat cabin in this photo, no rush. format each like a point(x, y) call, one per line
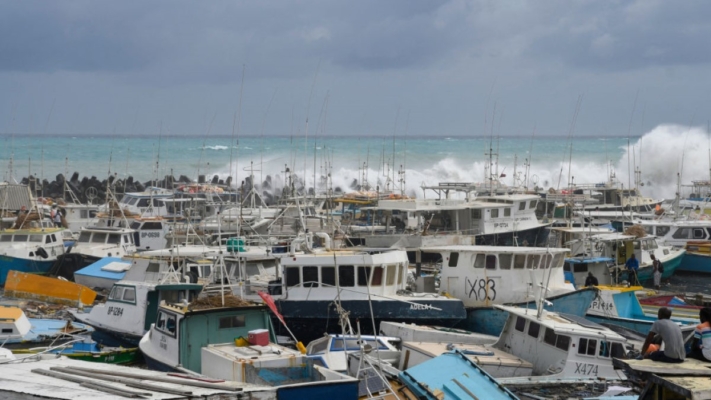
point(13, 323)
point(147, 203)
point(577, 269)
point(484, 275)
point(32, 243)
point(106, 242)
point(560, 345)
point(331, 351)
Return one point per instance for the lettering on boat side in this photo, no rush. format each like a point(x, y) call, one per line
point(150, 234)
point(420, 306)
point(482, 289)
point(115, 311)
point(601, 305)
point(586, 369)
point(501, 224)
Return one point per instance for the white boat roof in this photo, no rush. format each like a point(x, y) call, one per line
point(479, 354)
point(580, 229)
point(183, 200)
point(614, 236)
point(346, 257)
point(494, 249)
point(563, 323)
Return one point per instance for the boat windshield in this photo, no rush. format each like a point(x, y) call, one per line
point(84, 237)
point(35, 238)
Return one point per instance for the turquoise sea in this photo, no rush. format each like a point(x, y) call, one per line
point(659, 154)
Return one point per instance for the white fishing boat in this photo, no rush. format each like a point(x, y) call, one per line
point(30, 250)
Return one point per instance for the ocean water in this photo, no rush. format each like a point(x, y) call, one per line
point(660, 154)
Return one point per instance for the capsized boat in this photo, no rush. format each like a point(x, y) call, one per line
point(89, 350)
point(26, 332)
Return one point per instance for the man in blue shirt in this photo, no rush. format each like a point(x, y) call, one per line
point(632, 266)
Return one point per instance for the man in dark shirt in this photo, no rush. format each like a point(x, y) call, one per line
point(591, 280)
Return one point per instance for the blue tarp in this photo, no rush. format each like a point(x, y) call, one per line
point(96, 271)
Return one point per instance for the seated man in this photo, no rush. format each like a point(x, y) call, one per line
point(701, 345)
point(671, 335)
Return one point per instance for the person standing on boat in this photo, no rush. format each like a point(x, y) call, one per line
point(672, 337)
point(57, 218)
point(658, 271)
point(701, 344)
point(591, 280)
point(632, 266)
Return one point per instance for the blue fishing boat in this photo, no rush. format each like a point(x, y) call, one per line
point(23, 332)
point(491, 320)
point(453, 376)
point(619, 307)
point(697, 258)
point(32, 250)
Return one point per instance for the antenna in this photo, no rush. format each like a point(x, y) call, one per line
point(238, 121)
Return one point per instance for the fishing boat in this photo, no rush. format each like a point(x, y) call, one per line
point(103, 273)
point(620, 247)
point(505, 220)
point(453, 375)
point(331, 351)
point(89, 350)
point(619, 306)
point(681, 310)
point(369, 284)
point(697, 258)
point(32, 332)
point(32, 250)
point(94, 243)
point(482, 276)
point(132, 304)
point(428, 333)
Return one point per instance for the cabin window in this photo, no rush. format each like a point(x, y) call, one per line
point(453, 259)
point(505, 261)
point(363, 276)
point(310, 276)
point(234, 321)
point(533, 261)
point(135, 225)
point(390, 275)
point(292, 276)
point(479, 261)
point(682, 233)
point(114, 239)
point(698, 234)
point(490, 261)
point(587, 346)
point(549, 337)
point(351, 344)
point(83, 214)
point(129, 295)
point(166, 323)
point(319, 346)
point(345, 276)
point(153, 267)
point(132, 201)
point(143, 203)
point(54, 238)
point(152, 225)
point(507, 212)
point(328, 276)
point(116, 293)
point(99, 237)
point(399, 274)
point(582, 267)
point(558, 260)
point(494, 213)
point(563, 342)
point(36, 238)
point(532, 204)
point(476, 214)
point(20, 238)
point(618, 350)
point(7, 330)
point(566, 266)
point(377, 276)
point(520, 324)
point(5, 238)
point(533, 329)
point(546, 260)
point(662, 230)
point(649, 229)
point(522, 206)
point(47, 239)
point(519, 261)
point(644, 244)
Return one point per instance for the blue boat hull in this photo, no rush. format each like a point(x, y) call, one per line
point(491, 320)
point(309, 320)
point(694, 262)
point(23, 265)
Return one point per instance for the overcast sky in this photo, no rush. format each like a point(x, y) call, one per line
point(125, 66)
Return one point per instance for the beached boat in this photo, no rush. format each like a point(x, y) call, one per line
point(619, 306)
point(88, 350)
point(365, 283)
point(697, 258)
point(29, 250)
point(332, 350)
point(26, 332)
point(47, 289)
point(620, 247)
point(94, 244)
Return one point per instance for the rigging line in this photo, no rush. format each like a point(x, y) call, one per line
point(237, 121)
